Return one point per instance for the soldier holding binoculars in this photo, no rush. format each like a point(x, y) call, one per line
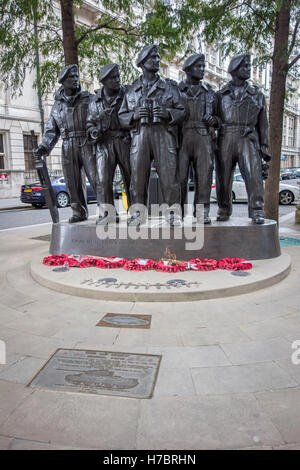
point(152, 109)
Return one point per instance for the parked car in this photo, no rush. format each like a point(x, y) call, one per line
point(32, 193)
point(288, 174)
point(287, 193)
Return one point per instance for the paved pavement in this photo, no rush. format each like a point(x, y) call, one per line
point(13, 202)
point(226, 379)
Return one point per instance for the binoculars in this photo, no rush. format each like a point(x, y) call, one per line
point(150, 104)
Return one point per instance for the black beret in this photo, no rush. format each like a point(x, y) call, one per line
point(105, 71)
point(66, 70)
point(144, 53)
point(236, 62)
point(192, 60)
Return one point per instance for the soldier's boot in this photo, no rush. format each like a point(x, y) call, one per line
point(202, 216)
point(207, 219)
point(222, 215)
point(258, 217)
point(77, 218)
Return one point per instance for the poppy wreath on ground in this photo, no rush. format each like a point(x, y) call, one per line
point(56, 260)
point(234, 264)
point(86, 262)
point(139, 264)
point(109, 263)
point(164, 267)
point(200, 264)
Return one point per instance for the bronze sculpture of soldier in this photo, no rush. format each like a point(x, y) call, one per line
point(111, 142)
point(243, 140)
point(197, 147)
point(151, 109)
point(68, 121)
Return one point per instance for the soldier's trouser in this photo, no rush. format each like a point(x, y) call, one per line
point(235, 148)
point(154, 142)
point(74, 159)
point(196, 150)
point(109, 154)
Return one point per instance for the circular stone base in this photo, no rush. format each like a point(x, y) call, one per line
point(151, 286)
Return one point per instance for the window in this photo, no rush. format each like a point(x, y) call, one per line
point(28, 154)
point(2, 155)
point(220, 61)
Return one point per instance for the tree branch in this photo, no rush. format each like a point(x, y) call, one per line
point(105, 26)
point(47, 28)
point(293, 38)
point(260, 16)
point(290, 65)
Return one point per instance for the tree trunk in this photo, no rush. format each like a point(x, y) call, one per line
point(68, 29)
point(277, 97)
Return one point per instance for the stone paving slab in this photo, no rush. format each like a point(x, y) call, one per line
point(283, 408)
point(174, 382)
point(12, 395)
point(76, 420)
point(5, 442)
point(239, 379)
point(24, 444)
point(257, 351)
point(23, 370)
point(214, 422)
point(201, 356)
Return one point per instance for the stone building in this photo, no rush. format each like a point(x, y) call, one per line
point(20, 115)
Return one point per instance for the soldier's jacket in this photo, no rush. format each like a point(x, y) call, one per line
point(249, 111)
point(67, 119)
point(164, 92)
point(200, 101)
point(103, 114)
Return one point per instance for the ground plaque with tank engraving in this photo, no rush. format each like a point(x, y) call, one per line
point(99, 372)
point(121, 320)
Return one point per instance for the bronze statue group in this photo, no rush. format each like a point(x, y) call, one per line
point(176, 126)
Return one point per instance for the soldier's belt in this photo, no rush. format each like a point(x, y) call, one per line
point(68, 134)
point(242, 130)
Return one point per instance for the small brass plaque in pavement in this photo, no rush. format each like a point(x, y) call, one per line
point(99, 372)
point(121, 320)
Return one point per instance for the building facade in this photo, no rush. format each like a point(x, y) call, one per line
point(21, 115)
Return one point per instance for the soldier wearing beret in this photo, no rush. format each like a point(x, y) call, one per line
point(152, 109)
point(243, 140)
point(197, 149)
point(68, 121)
point(112, 144)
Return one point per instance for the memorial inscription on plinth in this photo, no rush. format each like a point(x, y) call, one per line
point(99, 372)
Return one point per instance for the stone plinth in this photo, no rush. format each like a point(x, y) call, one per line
point(238, 237)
